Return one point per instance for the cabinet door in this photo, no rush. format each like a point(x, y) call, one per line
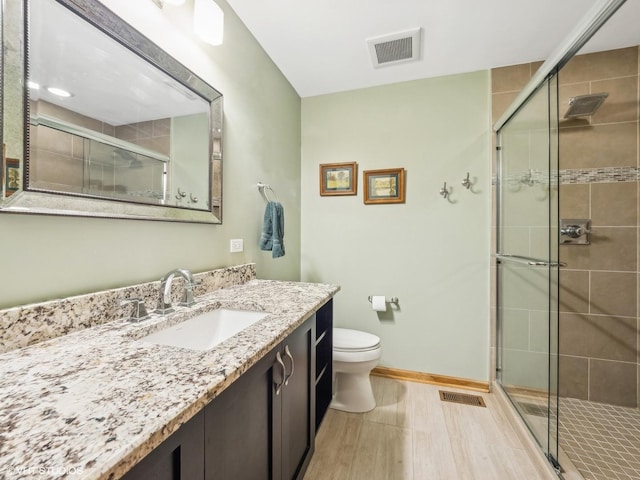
point(179, 457)
point(239, 434)
point(298, 401)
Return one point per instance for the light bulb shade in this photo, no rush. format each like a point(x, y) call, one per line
point(59, 92)
point(208, 21)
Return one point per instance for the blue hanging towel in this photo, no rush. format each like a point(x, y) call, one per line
point(266, 241)
point(278, 231)
point(273, 229)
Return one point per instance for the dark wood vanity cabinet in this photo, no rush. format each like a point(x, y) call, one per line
point(179, 457)
point(262, 426)
point(239, 426)
point(298, 403)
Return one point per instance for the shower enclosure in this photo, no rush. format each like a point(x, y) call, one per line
point(527, 263)
point(541, 343)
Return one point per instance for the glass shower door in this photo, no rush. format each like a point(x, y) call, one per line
point(527, 263)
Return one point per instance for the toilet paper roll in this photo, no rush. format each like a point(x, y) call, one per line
point(379, 303)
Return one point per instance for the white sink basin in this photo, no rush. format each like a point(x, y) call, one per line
point(206, 330)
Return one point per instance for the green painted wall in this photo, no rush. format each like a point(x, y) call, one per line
point(429, 252)
point(188, 143)
point(52, 257)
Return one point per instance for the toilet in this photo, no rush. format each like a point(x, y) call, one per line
point(355, 354)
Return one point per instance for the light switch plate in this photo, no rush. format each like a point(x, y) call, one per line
point(236, 245)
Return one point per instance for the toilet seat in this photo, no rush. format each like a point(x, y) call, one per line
point(347, 340)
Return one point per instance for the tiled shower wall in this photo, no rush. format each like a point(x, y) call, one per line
point(57, 160)
point(599, 165)
point(599, 180)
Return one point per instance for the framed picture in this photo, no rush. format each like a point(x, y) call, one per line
point(338, 179)
point(11, 176)
point(384, 186)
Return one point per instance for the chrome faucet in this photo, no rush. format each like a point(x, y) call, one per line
point(164, 294)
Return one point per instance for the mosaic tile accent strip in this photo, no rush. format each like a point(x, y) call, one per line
point(603, 441)
point(30, 324)
point(572, 176)
point(599, 175)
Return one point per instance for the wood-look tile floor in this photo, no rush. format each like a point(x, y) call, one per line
point(412, 434)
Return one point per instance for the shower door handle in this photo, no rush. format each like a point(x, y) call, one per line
point(546, 264)
point(532, 262)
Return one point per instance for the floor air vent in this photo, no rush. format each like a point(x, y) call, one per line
point(395, 48)
point(533, 409)
point(475, 400)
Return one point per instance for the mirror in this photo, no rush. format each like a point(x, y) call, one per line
point(102, 122)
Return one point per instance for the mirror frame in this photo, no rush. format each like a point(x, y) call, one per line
point(54, 203)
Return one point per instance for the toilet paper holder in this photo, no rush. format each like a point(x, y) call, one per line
point(390, 300)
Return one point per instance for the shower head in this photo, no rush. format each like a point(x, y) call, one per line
point(585, 105)
point(134, 161)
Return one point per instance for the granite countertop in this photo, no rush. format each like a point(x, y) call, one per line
point(91, 404)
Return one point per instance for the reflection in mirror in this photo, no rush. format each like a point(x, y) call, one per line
point(113, 128)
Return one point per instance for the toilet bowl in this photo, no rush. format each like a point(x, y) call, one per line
point(355, 354)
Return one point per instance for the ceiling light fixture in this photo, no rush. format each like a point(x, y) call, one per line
point(59, 92)
point(33, 85)
point(208, 21)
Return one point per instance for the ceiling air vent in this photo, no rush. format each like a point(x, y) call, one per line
point(395, 48)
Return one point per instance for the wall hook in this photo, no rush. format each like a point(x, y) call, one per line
point(528, 179)
point(466, 183)
point(180, 194)
point(444, 191)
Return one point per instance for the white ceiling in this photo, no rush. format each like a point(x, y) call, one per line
point(320, 46)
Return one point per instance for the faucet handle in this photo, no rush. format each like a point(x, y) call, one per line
point(187, 299)
point(139, 311)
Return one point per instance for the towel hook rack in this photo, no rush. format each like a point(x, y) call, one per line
point(264, 188)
